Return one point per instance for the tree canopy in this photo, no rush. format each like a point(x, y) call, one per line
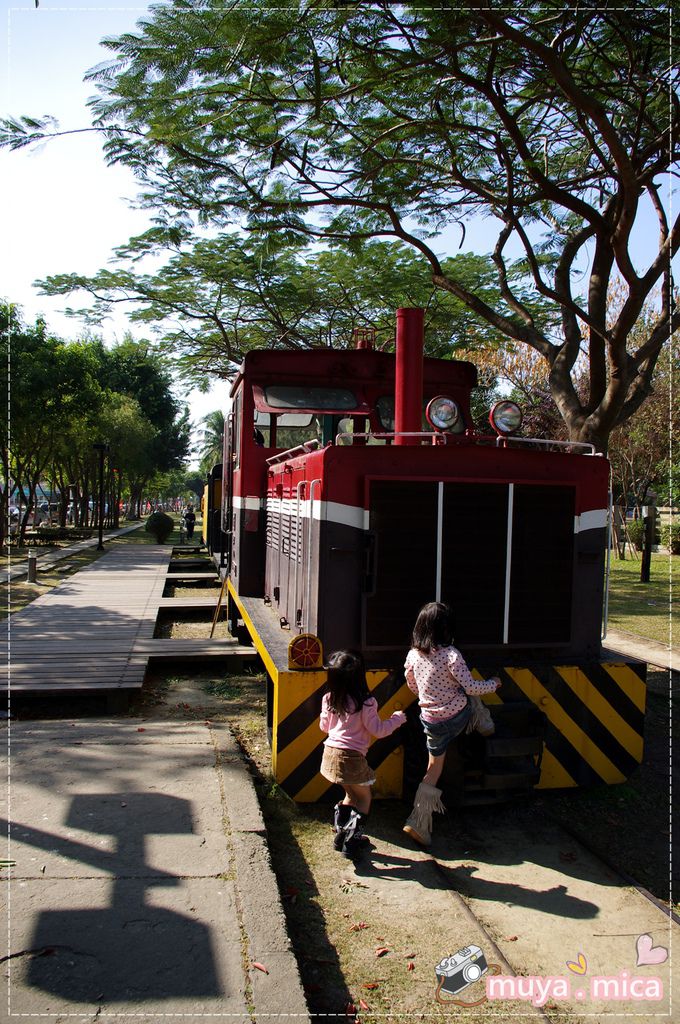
point(216, 298)
point(559, 125)
point(64, 397)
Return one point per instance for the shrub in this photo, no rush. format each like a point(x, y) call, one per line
point(670, 537)
point(636, 533)
point(160, 525)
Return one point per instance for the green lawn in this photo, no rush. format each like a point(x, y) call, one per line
point(646, 609)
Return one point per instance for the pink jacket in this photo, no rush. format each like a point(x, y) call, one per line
point(441, 679)
point(355, 730)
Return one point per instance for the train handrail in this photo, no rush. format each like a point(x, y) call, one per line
point(502, 442)
point(434, 438)
point(312, 484)
point(300, 449)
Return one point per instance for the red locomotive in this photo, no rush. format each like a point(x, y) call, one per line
point(343, 512)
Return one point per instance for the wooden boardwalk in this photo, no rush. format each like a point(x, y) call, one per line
point(95, 630)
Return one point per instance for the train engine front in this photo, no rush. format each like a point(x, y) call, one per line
point(345, 510)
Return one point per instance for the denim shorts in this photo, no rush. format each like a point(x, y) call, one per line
point(439, 734)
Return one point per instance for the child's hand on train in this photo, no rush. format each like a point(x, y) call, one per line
point(400, 716)
point(497, 681)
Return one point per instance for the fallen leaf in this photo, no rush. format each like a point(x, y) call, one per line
point(359, 926)
point(410, 966)
point(371, 984)
point(510, 938)
point(409, 956)
point(350, 1008)
point(381, 950)
point(364, 1005)
point(259, 967)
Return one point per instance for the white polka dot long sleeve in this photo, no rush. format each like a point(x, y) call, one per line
point(441, 679)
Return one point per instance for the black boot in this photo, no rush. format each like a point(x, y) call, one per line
point(355, 840)
point(341, 816)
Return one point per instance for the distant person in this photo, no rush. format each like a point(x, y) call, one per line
point(190, 521)
point(350, 717)
point(437, 673)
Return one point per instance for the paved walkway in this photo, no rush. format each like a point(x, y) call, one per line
point(95, 630)
point(16, 568)
point(142, 886)
point(655, 654)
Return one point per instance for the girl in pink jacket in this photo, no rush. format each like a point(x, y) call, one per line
point(350, 717)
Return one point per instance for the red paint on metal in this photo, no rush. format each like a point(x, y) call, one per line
point(408, 389)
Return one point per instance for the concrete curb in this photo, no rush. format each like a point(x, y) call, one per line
point(278, 993)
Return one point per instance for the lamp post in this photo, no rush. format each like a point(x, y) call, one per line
point(102, 449)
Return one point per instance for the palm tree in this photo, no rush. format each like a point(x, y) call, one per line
point(210, 449)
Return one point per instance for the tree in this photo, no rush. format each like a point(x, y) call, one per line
point(210, 450)
point(363, 123)
point(217, 298)
point(52, 385)
point(133, 369)
point(645, 455)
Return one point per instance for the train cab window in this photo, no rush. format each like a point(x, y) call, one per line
point(287, 429)
point(385, 409)
point(283, 396)
point(360, 425)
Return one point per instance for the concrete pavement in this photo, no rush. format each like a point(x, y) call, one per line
point(141, 884)
point(655, 654)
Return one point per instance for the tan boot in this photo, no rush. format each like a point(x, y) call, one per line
point(419, 823)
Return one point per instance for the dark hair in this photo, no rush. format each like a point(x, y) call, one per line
point(346, 682)
point(434, 627)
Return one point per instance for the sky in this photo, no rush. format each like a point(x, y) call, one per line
point(63, 209)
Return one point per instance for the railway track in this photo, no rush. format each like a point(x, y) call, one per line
point(566, 932)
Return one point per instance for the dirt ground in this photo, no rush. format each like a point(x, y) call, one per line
point(340, 919)
point(362, 951)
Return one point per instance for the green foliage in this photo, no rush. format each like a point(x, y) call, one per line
point(280, 295)
point(368, 122)
point(670, 537)
point(160, 526)
point(68, 395)
point(636, 533)
point(210, 449)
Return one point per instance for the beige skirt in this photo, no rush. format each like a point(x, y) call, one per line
point(346, 767)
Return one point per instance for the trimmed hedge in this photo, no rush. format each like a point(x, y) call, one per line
point(670, 537)
point(160, 525)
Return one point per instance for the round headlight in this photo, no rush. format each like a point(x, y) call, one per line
point(506, 417)
point(442, 413)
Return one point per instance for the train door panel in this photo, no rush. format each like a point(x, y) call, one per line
point(403, 518)
point(473, 560)
point(541, 581)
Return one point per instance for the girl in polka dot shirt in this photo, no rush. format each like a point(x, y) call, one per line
point(436, 671)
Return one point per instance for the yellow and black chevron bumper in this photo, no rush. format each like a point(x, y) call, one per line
point(594, 720)
point(593, 732)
